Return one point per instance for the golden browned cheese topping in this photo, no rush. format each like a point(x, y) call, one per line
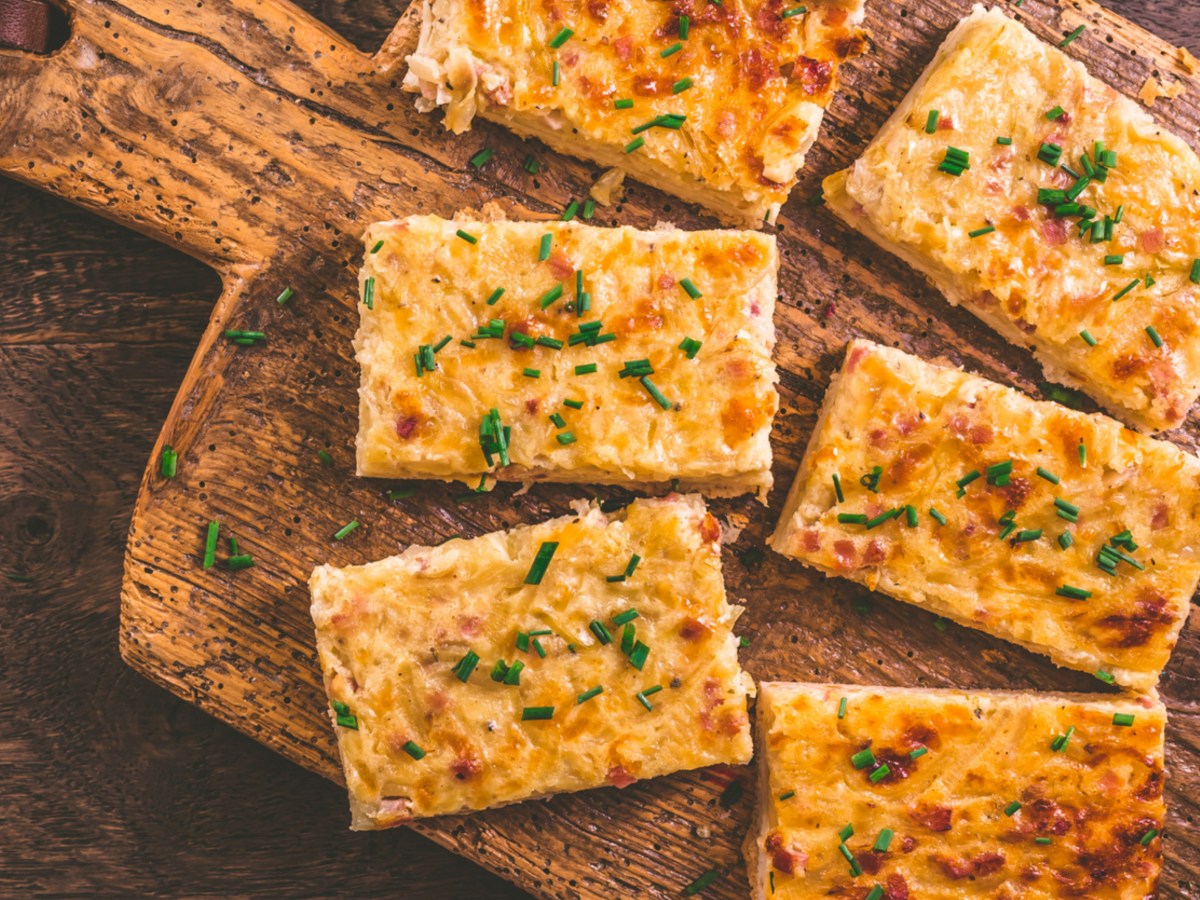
point(667, 374)
point(945, 794)
point(1090, 202)
point(583, 652)
point(1056, 529)
point(749, 80)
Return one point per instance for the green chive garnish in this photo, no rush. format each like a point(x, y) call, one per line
point(1114, 259)
point(1074, 34)
point(837, 488)
point(467, 236)
point(937, 516)
point(629, 615)
point(210, 544)
point(1027, 535)
point(692, 290)
point(700, 883)
point(287, 293)
point(532, 373)
point(1074, 593)
point(918, 753)
point(846, 833)
point(603, 635)
point(345, 530)
point(512, 675)
point(168, 462)
point(464, 667)
point(842, 708)
point(1123, 719)
point(635, 144)
point(1049, 476)
point(1065, 540)
point(931, 121)
point(374, 249)
point(1148, 837)
point(561, 38)
point(1004, 141)
point(550, 296)
point(1194, 277)
point(879, 774)
point(648, 692)
point(1055, 113)
point(875, 893)
point(541, 561)
point(537, 713)
point(1125, 290)
point(480, 158)
point(555, 72)
point(654, 392)
point(623, 103)
point(413, 750)
point(851, 519)
point(1087, 338)
point(239, 560)
point(672, 50)
point(1012, 808)
point(573, 404)
point(585, 369)
point(544, 247)
point(1153, 335)
point(1106, 677)
point(1041, 840)
point(787, 795)
point(794, 11)
point(1059, 744)
point(1049, 153)
point(343, 716)
point(862, 759)
point(567, 437)
point(589, 694)
point(531, 165)
point(569, 212)
point(980, 232)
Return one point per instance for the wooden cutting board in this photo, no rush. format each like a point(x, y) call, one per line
point(259, 141)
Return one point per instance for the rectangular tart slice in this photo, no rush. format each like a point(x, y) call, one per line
point(550, 351)
point(586, 651)
point(717, 103)
point(1061, 531)
point(888, 793)
point(1050, 206)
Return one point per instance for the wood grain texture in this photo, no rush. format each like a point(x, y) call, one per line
point(261, 142)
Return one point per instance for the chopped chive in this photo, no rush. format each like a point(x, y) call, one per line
point(931, 121)
point(589, 208)
point(837, 488)
point(531, 165)
point(787, 795)
point(573, 404)
point(1125, 290)
point(842, 708)
point(169, 462)
point(1074, 34)
point(879, 774)
point(240, 561)
point(1004, 141)
point(480, 158)
point(464, 667)
point(1027, 535)
point(532, 373)
point(603, 635)
point(287, 292)
point(794, 11)
point(851, 519)
point(210, 544)
point(883, 841)
point(1074, 593)
point(649, 692)
point(967, 479)
point(685, 24)
point(880, 519)
point(635, 144)
point(550, 296)
point(702, 882)
point(378, 245)
point(628, 616)
point(690, 347)
point(1106, 677)
point(862, 759)
point(567, 437)
point(654, 392)
point(541, 561)
point(628, 636)
point(1049, 153)
point(623, 103)
point(512, 675)
point(876, 893)
point(918, 753)
point(561, 38)
point(345, 530)
point(871, 480)
point(538, 648)
point(585, 369)
point(326, 459)
point(1041, 840)
point(552, 343)
point(413, 750)
point(1114, 259)
point(467, 236)
point(589, 694)
point(1123, 720)
point(544, 246)
point(558, 420)
point(1194, 277)
point(1153, 335)
point(499, 670)
point(845, 851)
point(1059, 744)
point(937, 516)
point(569, 212)
point(681, 85)
point(980, 232)
point(555, 73)
point(846, 833)
point(692, 290)
point(672, 50)
point(638, 655)
point(1048, 475)
point(1055, 113)
point(537, 713)
point(1065, 540)
point(1148, 837)
point(1012, 808)
point(1087, 338)
point(1062, 504)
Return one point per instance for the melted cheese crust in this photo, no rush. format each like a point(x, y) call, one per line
point(1094, 800)
point(760, 85)
point(1034, 279)
point(927, 427)
point(390, 633)
point(428, 284)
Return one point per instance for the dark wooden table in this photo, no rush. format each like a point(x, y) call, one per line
point(111, 785)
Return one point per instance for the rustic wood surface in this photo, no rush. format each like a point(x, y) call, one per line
point(260, 142)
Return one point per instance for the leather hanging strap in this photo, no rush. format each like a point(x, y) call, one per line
point(25, 25)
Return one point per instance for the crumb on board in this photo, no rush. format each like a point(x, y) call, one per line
point(1154, 88)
